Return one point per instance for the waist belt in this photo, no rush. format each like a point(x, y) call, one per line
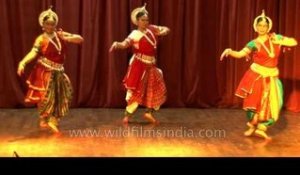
point(265, 71)
point(145, 58)
point(50, 64)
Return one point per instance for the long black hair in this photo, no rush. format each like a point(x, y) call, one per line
point(261, 19)
point(139, 14)
point(47, 17)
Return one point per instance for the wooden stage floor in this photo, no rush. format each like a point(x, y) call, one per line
point(181, 133)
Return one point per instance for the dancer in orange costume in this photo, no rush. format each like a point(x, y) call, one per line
point(260, 87)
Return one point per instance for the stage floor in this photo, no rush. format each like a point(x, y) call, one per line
point(181, 133)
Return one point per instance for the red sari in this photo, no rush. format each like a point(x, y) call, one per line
point(260, 87)
point(144, 81)
point(48, 86)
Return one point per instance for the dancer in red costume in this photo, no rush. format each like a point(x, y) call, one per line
point(260, 87)
point(143, 81)
point(48, 86)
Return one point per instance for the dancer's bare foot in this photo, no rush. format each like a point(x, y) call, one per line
point(262, 134)
point(43, 124)
point(149, 117)
point(53, 127)
point(250, 131)
point(53, 124)
point(125, 120)
point(43, 121)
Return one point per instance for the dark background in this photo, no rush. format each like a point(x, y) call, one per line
point(188, 56)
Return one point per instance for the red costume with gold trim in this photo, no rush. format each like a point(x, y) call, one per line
point(143, 79)
point(48, 85)
point(260, 86)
